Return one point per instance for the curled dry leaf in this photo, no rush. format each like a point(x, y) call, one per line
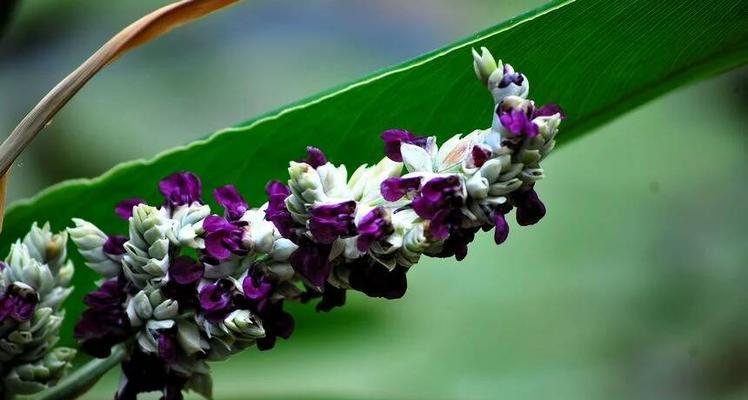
point(138, 33)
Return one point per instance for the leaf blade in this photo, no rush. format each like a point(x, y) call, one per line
point(435, 94)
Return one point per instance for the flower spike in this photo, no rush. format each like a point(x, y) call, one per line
point(188, 286)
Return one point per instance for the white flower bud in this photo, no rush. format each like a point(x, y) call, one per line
point(242, 325)
point(364, 184)
point(477, 187)
point(90, 242)
point(282, 249)
point(416, 159)
point(139, 309)
point(168, 309)
point(46, 247)
point(188, 224)
point(262, 233)
point(147, 252)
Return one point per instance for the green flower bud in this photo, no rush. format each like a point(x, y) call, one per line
point(485, 65)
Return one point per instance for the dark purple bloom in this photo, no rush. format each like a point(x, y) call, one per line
point(331, 297)
point(315, 157)
point(114, 245)
point(331, 221)
point(181, 188)
point(18, 303)
point(148, 373)
point(257, 290)
point(104, 323)
point(456, 244)
point(511, 77)
point(501, 231)
point(167, 347)
point(518, 123)
point(394, 137)
point(480, 155)
point(215, 299)
point(3, 265)
point(395, 188)
point(185, 270)
point(277, 323)
point(530, 210)
point(548, 110)
point(124, 207)
point(231, 201)
point(373, 226)
point(277, 212)
point(311, 260)
point(375, 280)
point(223, 238)
point(438, 194)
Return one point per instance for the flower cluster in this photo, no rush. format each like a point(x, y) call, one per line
point(187, 285)
point(34, 281)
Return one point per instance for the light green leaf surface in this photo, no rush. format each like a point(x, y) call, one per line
point(595, 58)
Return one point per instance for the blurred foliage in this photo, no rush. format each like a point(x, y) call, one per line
point(633, 286)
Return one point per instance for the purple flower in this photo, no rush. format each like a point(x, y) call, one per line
point(439, 201)
point(223, 238)
point(143, 373)
point(440, 193)
point(3, 265)
point(18, 303)
point(373, 226)
point(124, 207)
point(277, 323)
point(480, 155)
point(215, 299)
point(311, 260)
point(530, 210)
point(232, 202)
point(456, 243)
point(257, 290)
point(185, 270)
point(501, 231)
point(104, 323)
point(331, 221)
point(331, 297)
point(511, 77)
point(518, 123)
point(395, 188)
point(548, 110)
point(315, 157)
point(394, 137)
point(277, 212)
point(181, 188)
point(167, 347)
point(114, 245)
point(375, 280)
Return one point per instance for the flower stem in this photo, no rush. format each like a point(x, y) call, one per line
point(83, 379)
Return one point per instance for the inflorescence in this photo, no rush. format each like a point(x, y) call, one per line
point(187, 285)
point(34, 281)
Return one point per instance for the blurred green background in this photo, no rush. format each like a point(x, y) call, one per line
point(633, 287)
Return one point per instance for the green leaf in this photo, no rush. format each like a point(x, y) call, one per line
point(596, 58)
